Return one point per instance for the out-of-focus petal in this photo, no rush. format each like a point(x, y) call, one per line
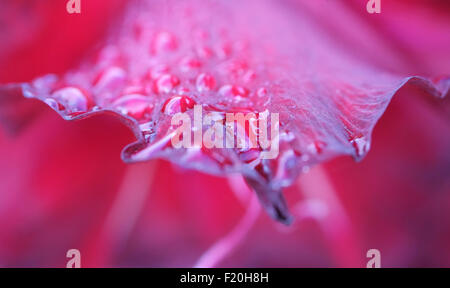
point(40, 37)
point(397, 197)
point(58, 182)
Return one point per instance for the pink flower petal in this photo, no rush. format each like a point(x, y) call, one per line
point(328, 100)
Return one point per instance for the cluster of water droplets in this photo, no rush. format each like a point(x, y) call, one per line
point(151, 68)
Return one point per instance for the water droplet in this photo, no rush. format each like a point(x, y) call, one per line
point(205, 82)
point(249, 76)
point(236, 68)
point(202, 35)
point(73, 99)
point(183, 90)
point(177, 104)
point(224, 50)
point(136, 86)
point(361, 146)
point(137, 106)
point(147, 130)
point(230, 91)
point(205, 52)
point(110, 79)
point(261, 92)
point(158, 70)
point(189, 64)
point(54, 104)
point(166, 83)
point(165, 42)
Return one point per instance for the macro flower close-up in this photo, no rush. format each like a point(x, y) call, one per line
point(215, 133)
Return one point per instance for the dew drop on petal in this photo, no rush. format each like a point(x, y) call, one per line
point(73, 99)
point(361, 146)
point(110, 79)
point(165, 42)
point(205, 52)
point(158, 70)
point(166, 83)
point(147, 129)
point(54, 104)
point(177, 104)
point(261, 92)
point(183, 90)
point(230, 91)
point(189, 64)
point(202, 35)
point(250, 76)
point(224, 50)
point(137, 106)
point(205, 82)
